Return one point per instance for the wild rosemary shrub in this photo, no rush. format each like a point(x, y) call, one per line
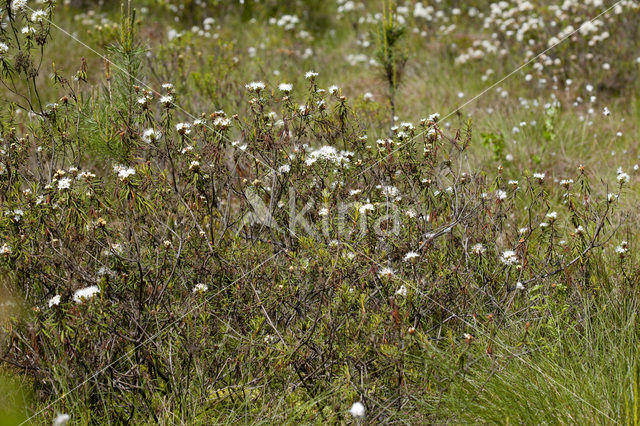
point(292, 253)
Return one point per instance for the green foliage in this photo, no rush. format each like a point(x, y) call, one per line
point(495, 143)
point(390, 52)
point(186, 239)
point(14, 402)
point(632, 398)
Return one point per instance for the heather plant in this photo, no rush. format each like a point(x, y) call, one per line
point(185, 238)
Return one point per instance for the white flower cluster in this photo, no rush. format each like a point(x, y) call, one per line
point(86, 293)
point(288, 22)
point(478, 249)
point(200, 288)
point(255, 86)
point(411, 256)
point(524, 24)
point(18, 6)
point(622, 177)
point(622, 249)
point(285, 87)
point(329, 154)
point(509, 257)
point(123, 171)
point(151, 135)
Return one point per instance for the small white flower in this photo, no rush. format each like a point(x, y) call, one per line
point(390, 191)
point(621, 250)
point(38, 16)
point(86, 175)
point(183, 128)
point(5, 249)
point(357, 410)
point(284, 168)
point(285, 87)
point(221, 123)
point(411, 256)
point(386, 272)
point(200, 288)
point(85, 293)
point(323, 212)
point(552, 216)
point(402, 291)
point(519, 286)
point(61, 420)
point(501, 195)
point(539, 177)
point(255, 86)
point(4, 49)
point(310, 75)
point(64, 183)
point(17, 214)
point(333, 89)
point(622, 178)
point(478, 249)
point(509, 257)
point(166, 101)
point(18, 6)
point(124, 172)
point(151, 135)
point(366, 208)
point(54, 301)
